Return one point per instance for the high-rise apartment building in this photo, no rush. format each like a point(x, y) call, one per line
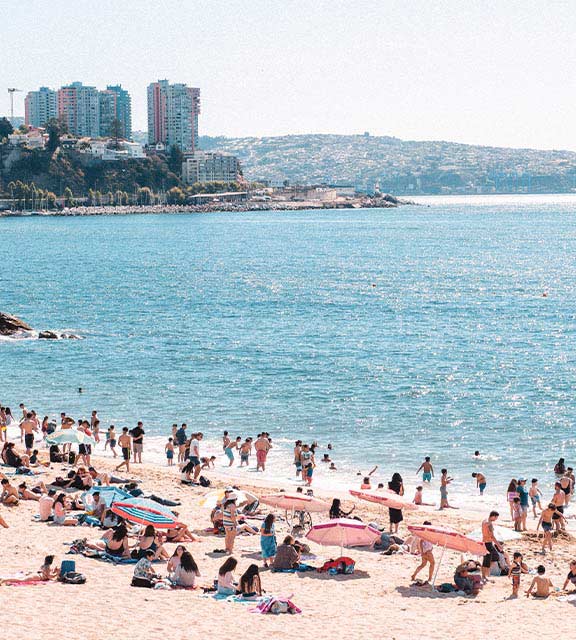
point(40, 106)
point(79, 107)
point(115, 104)
point(173, 111)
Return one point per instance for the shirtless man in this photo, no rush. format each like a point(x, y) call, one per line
point(262, 446)
point(24, 410)
point(427, 470)
point(27, 429)
point(558, 500)
point(9, 494)
point(490, 542)
point(245, 451)
point(125, 441)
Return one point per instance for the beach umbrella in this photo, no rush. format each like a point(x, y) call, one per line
point(447, 539)
point(385, 498)
point(502, 534)
point(108, 495)
point(144, 515)
point(344, 532)
point(149, 504)
point(295, 502)
point(211, 499)
point(69, 436)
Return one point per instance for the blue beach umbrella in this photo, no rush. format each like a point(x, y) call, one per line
point(108, 495)
point(69, 436)
point(149, 504)
point(143, 515)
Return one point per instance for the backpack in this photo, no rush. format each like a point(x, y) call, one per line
point(204, 481)
point(72, 577)
point(340, 565)
point(71, 457)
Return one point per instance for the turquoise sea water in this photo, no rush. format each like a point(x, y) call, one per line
point(390, 333)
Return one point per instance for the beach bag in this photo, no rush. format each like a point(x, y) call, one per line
point(72, 577)
point(341, 565)
point(71, 457)
point(446, 587)
point(204, 481)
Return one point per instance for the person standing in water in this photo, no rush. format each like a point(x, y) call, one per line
point(480, 481)
point(445, 480)
point(427, 470)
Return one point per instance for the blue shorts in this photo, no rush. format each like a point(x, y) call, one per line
point(169, 454)
point(427, 476)
point(244, 457)
point(482, 486)
point(229, 454)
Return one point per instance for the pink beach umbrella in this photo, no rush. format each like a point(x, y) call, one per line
point(447, 539)
point(343, 532)
point(385, 498)
point(295, 502)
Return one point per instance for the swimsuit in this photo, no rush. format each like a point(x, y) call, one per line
point(169, 454)
point(29, 440)
point(546, 526)
point(229, 453)
point(126, 453)
point(482, 486)
point(427, 476)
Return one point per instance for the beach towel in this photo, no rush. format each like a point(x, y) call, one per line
point(276, 605)
point(301, 568)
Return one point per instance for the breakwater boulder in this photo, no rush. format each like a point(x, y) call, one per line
point(11, 326)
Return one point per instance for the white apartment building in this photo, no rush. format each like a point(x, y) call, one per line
point(40, 106)
point(205, 166)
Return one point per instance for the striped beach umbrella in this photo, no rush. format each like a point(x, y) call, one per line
point(69, 436)
point(144, 515)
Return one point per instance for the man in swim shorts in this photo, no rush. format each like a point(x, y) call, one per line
point(490, 542)
point(27, 429)
point(427, 470)
point(262, 446)
point(125, 442)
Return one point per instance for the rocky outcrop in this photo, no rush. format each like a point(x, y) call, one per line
point(9, 325)
point(13, 326)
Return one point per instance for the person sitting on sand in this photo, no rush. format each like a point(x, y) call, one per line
point(425, 549)
point(13, 459)
point(144, 575)
point(99, 477)
point(540, 585)
point(150, 540)
point(418, 495)
point(571, 577)
point(180, 533)
point(60, 512)
point(287, 557)
point(9, 495)
point(185, 574)
point(336, 510)
point(466, 582)
point(44, 574)
point(226, 579)
point(117, 545)
point(250, 586)
point(175, 558)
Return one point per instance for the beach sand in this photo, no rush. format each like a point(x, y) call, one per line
point(376, 602)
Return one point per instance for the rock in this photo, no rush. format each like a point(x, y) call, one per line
point(390, 198)
point(48, 335)
point(9, 325)
point(69, 336)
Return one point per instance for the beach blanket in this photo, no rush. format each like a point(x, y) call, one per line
point(301, 568)
point(276, 605)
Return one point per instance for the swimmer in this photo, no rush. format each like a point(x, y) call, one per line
point(332, 467)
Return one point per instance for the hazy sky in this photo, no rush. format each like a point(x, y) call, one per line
point(500, 72)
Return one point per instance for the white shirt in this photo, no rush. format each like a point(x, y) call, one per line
point(195, 448)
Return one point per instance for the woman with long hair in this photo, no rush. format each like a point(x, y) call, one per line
point(250, 584)
point(226, 580)
point(149, 540)
point(336, 510)
point(268, 539)
point(186, 572)
point(397, 486)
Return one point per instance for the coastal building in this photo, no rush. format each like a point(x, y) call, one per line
point(79, 108)
point(115, 105)
point(32, 139)
point(205, 166)
point(40, 106)
point(104, 149)
point(173, 111)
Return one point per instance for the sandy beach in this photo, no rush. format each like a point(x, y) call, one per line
point(376, 601)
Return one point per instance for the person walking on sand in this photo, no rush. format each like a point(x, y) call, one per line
point(545, 522)
point(480, 481)
point(169, 450)
point(262, 447)
point(28, 428)
point(492, 545)
point(524, 501)
point(229, 519)
point(427, 558)
point(445, 480)
point(427, 470)
point(125, 442)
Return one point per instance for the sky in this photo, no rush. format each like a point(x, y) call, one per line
point(496, 72)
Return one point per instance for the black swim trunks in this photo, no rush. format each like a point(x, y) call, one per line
point(126, 453)
point(491, 555)
point(29, 440)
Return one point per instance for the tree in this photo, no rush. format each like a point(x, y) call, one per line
point(69, 198)
point(5, 128)
point(175, 160)
point(176, 196)
point(116, 133)
point(55, 128)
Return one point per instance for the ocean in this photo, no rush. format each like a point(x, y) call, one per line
point(437, 329)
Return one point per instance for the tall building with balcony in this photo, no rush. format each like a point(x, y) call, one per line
point(115, 104)
point(79, 108)
point(40, 106)
point(173, 111)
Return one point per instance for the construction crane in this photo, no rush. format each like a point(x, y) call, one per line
point(12, 91)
